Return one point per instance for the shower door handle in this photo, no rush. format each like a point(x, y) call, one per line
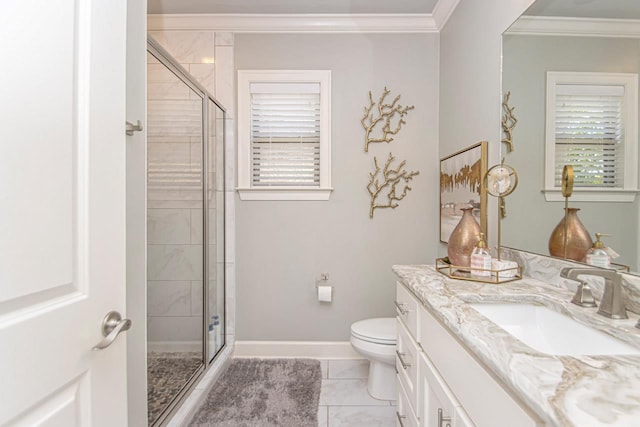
point(112, 325)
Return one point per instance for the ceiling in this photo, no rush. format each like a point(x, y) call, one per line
point(291, 6)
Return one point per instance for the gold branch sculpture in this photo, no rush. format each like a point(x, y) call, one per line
point(508, 122)
point(383, 114)
point(388, 182)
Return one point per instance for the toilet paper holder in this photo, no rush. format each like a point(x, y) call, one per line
point(323, 281)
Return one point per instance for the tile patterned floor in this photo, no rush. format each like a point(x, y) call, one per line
point(344, 401)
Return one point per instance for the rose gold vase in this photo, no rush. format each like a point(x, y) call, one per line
point(578, 238)
point(463, 239)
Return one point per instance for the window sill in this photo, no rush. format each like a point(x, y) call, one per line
point(579, 195)
point(300, 194)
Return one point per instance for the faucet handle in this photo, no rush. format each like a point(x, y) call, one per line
point(583, 296)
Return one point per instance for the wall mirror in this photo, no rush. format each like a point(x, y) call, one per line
point(594, 36)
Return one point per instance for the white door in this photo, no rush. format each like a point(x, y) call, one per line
point(62, 211)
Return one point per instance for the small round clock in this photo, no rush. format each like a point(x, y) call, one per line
point(567, 180)
point(501, 180)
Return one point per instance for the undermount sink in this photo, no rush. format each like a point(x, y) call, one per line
point(550, 332)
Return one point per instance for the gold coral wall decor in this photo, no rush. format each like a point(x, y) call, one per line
point(383, 184)
point(509, 121)
point(382, 118)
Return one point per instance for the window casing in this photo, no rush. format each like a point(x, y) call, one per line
point(284, 135)
point(591, 124)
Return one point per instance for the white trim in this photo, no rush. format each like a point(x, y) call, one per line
point(298, 23)
point(630, 82)
point(320, 194)
point(293, 349)
point(583, 27)
point(443, 11)
point(245, 189)
point(578, 195)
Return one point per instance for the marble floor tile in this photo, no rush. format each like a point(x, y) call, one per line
point(348, 392)
point(322, 416)
point(324, 366)
point(348, 369)
point(361, 416)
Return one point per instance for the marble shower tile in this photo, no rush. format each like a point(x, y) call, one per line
point(168, 298)
point(348, 392)
point(362, 416)
point(196, 298)
point(187, 47)
point(196, 226)
point(174, 262)
point(205, 75)
point(225, 82)
point(348, 369)
point(168, 226)
point(224, 38)
point(174, 329)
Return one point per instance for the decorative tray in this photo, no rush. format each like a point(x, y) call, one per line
point(465, 273)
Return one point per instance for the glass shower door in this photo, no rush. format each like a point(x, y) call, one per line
point(175, 230)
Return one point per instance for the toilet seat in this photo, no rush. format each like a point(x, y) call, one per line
point(378, 331)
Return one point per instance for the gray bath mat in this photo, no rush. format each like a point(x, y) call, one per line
point(264, 393)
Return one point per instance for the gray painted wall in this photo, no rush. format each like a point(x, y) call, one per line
point(470, 96)
point(525, 63)
point(283, 247)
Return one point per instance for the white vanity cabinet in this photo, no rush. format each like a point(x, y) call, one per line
point(440, 384)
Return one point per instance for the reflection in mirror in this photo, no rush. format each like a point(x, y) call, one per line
point(527, 57)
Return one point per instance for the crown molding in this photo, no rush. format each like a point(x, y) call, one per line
point(297, 23)
point(443, 11)
point(582, 27)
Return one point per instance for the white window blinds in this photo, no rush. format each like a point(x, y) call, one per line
point(589, 134)
point(285, 134)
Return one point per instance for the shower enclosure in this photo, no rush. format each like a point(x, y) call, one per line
point(185, 231)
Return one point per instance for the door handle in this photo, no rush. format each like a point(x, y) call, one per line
point(112, 325)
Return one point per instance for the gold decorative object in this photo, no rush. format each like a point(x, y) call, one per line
point(383, 114)
point(388, 182)
point(567, 191)
point(509, 121)
point(463, 239)
point(500, 181)
point(577, 241)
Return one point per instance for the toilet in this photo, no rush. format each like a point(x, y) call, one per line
point(375, 339)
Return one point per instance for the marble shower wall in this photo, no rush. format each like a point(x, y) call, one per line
point(174, 216)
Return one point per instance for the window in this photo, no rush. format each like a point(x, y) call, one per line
point(284, 139)
point(592, 125)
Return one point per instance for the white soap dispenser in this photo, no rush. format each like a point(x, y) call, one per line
point(598, 255)
point(481, 259)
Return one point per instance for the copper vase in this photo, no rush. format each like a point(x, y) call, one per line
point(578, 238)
point(463, 239)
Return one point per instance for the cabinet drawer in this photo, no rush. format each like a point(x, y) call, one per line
point(481, 395)
point(405, 417)
point(407, 309)
point(436, 401)
point(407, 360)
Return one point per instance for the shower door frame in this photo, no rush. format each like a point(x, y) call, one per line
point(165, 58)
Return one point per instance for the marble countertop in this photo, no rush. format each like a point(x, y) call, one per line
point(572, 391)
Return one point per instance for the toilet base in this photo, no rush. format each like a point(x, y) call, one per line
point(382, 381)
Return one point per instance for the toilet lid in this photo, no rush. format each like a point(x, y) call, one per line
point(381, 330)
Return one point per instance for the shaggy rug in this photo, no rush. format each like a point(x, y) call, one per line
point(264, 393)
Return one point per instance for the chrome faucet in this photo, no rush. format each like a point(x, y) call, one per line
point(612, 303)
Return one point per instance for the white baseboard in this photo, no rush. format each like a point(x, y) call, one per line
point(296, 349)
point(174, 346)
